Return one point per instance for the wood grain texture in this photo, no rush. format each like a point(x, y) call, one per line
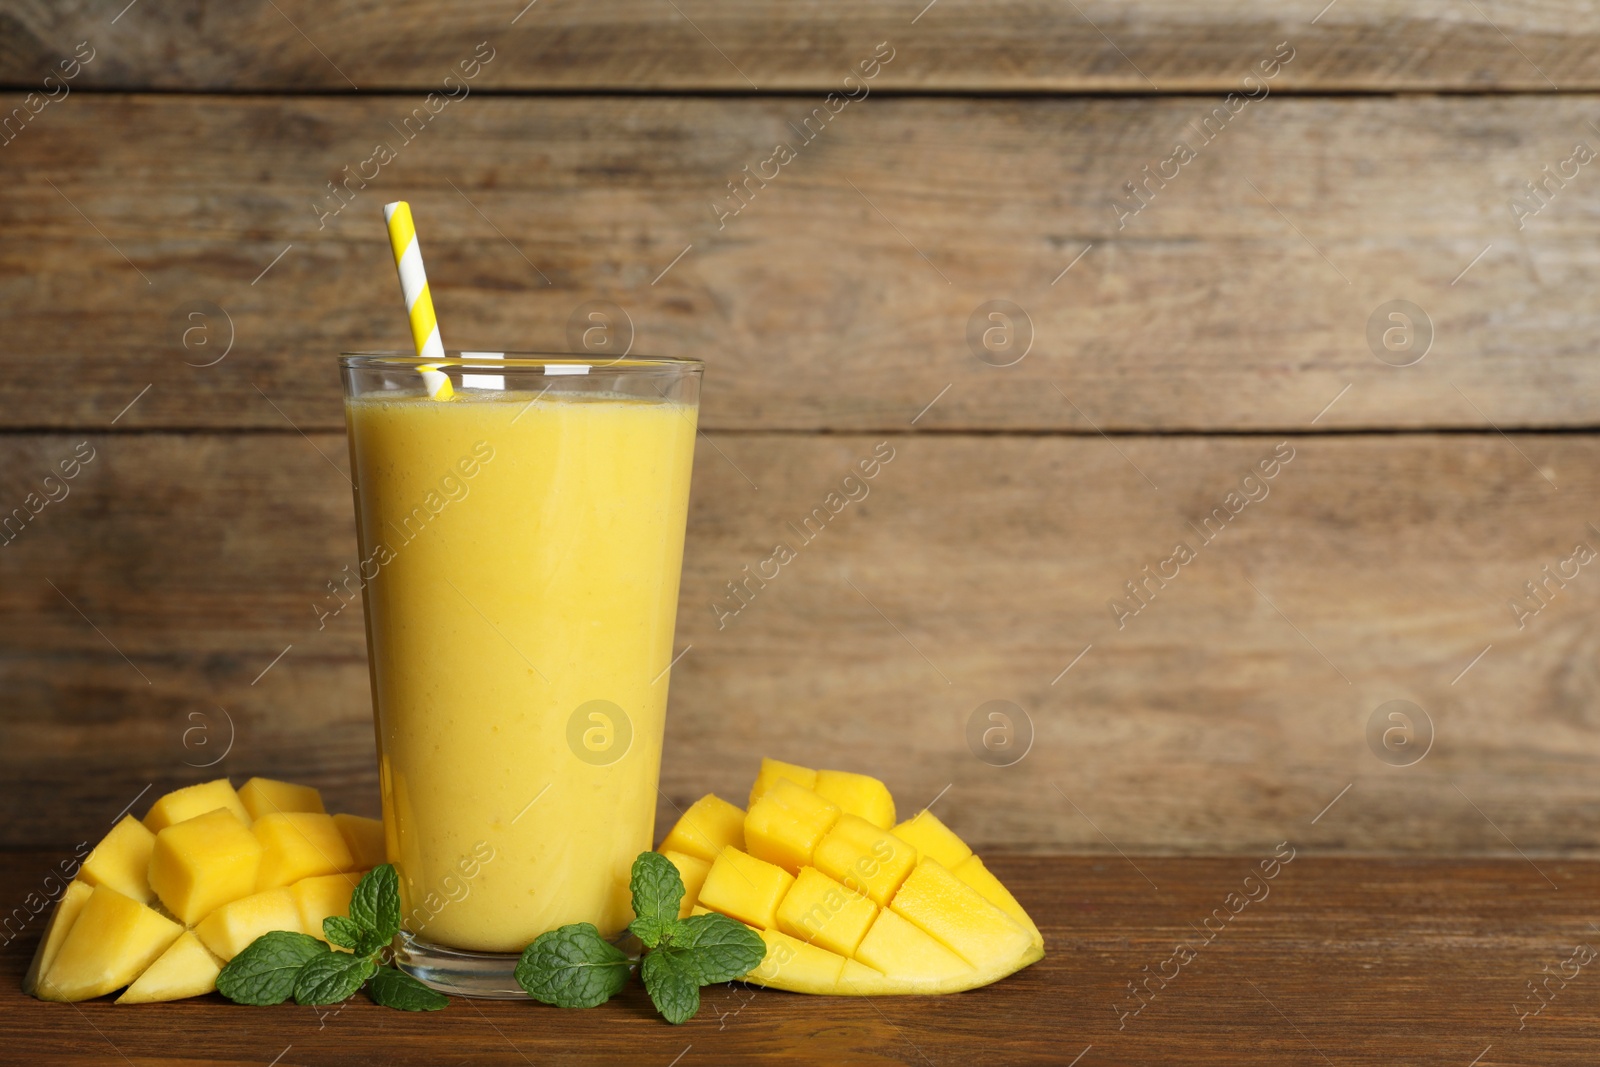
point(842, 295)
point(1224, 716)
point(1137, 46)
point(1344, 961)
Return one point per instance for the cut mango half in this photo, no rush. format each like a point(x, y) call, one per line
point(162, 903)
point(847, 906)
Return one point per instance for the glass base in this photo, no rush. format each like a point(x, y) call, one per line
point(459, 973)
point(456, 972)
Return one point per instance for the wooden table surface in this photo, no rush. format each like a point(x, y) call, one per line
point(1339, 961)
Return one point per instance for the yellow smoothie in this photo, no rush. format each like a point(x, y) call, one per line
point(521, 558)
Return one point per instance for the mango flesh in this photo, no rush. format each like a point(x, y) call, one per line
point(972, 871)
point(774, 769)
point(113, 940)
point(186, 969)
point(263, 796)
point(848, 907)
point(784, 826)
point(299, 844)
point(200, 864)
point(746, 888)
point(693, 871)
point(192, 800)
point(710, 825)
point(195, 854)
point(858, 794)
point(319, 897)
point(364, 838)
point(66, 913)
point(121, 860)
point(871, 861)
point(822, 912)
point(930, 837)
point(229, 930)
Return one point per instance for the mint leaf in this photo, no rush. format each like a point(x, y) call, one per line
point(671, 980)
point(341, 931)
point(717, 948)
point(572, 967)
point(331, 978)
point(657, 893)
point(264, 973)
point(396, 989)
point(375, 904)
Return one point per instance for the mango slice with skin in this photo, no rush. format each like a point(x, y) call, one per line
point(67, 908)
point(121, 860)
point(263, 796)
point(186, 969)
point(192, 800)
point(710, 825)
point(197, 857)
point(869, 911)
point(110, 944)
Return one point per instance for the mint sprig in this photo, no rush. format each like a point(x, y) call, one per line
point(574, 967)
point(283, 963)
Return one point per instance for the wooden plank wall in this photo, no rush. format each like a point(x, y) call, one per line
point(177, 270)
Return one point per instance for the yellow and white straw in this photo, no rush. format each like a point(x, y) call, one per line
point(419, 303)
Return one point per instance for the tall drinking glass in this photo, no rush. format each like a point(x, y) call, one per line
point(521, 544)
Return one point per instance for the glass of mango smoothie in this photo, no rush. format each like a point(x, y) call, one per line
point(521, 543)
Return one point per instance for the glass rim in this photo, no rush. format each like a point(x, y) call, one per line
point(513, 360)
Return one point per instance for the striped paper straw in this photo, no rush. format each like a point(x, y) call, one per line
point(419, 303)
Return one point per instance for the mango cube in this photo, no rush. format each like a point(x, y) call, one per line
point(784, 826)
point(925, 833)
point(186, 969)
point(746, 888)
point(692, 869)
point(774, 769)
point(857, 794)
point(319, 897)
point(113, 940)
point(824, 913)
point(121, 860)
point(66, 913)
point(948, 909)
point(263, 796)
point(972, 871)
point(710, 825)
point(299, 844)
point(182, 804)
point(200, 864)
point(229, 930)
point(797, 962)
point(864, 858)
point(364, 838)
point(901, 951)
